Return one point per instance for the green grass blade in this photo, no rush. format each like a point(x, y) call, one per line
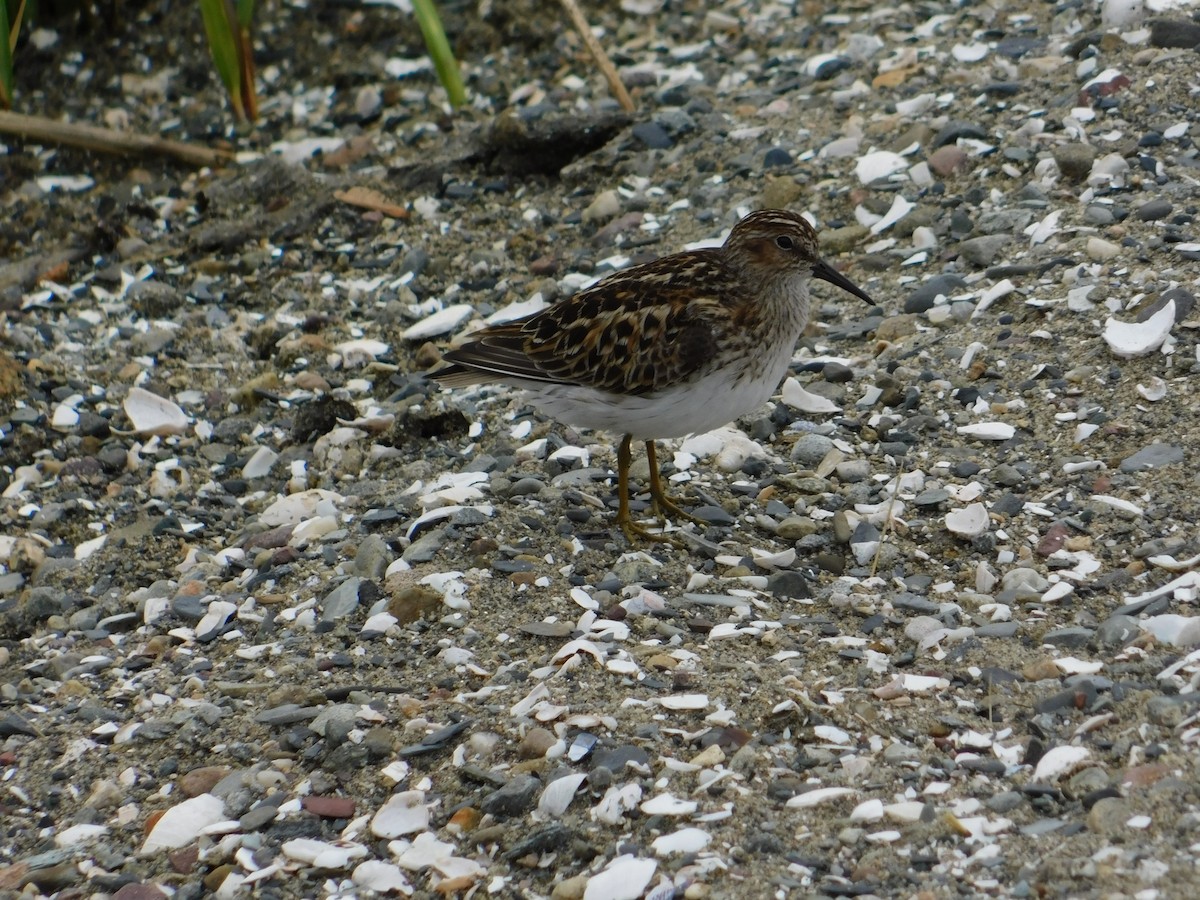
point(222, 43)
point(6, 59)
point(245, 12)
point(439, 51)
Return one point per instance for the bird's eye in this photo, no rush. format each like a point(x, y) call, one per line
point(783, 242)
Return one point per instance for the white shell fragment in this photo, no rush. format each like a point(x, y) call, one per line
point(1130, 339)
point(667, 805)
point(685, 840)
point(381, 877)
point(818, 796)
point(151, 414)
point(1154, 390)
point(441, 322)
point(1058, 761)
point(322, 854)
point(795, 396)
point(359, 352)
point(559, 793)
point(969, 521)
point(988, 431)
point(295, 508)
point(182, 823)
point(880, 164)
point(622, 879)
point(404, 813)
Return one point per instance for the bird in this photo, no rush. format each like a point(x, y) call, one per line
point(679, 345)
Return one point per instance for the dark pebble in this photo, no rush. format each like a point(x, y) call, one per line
point(714, 515)
point(652, 135)
point(776, 157)
point(1175, 33)
point(514, 798)
point(922, 299)
point(789, 584)
point(1071, 637)
point(1154, 210)
point(954, 129)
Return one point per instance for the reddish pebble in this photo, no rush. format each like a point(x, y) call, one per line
point(202, 780)
point(139, 892)
point(947, 160)
point(184, 860)
point(330, 807)
point(1052, 541)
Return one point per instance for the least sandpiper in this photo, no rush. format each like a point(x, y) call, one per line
point(677, 346)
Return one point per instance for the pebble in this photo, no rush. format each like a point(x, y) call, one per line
point(1153, 457)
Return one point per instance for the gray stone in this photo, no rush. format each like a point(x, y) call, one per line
point(425, 547)
point(1152, 457)
point(1117, 631)
point(341, 601)
point(514, 798)
point(373, 557)
point(983, 250)
point(810, 449)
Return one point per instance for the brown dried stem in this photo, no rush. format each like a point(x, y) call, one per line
point(106, 140)
point(606, 67)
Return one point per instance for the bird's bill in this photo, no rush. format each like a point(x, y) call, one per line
point(826, 272)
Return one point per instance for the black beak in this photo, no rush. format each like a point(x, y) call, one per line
point(826, 272)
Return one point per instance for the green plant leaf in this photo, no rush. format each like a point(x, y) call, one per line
point(439, 51)
point(6, 58)
point(245, 12)
point(222, 33)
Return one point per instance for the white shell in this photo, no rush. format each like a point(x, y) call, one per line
point(622, 879)
point(404, 813)
point(684, 701)
point(360, 352)
point(795, 396)
point(381, 877)
point(182, 823)
point(441, 322)
point(1069, 665)
point(295, 508)
point(818, 796)
point(668, 805)
point(260, 463)
point(152, 414)
point(899, 209)
point(988, 431)
point(322, 854)
point(79, 834)
point(968, 522)
point(1059, 760)
point(1130, 339)
point(685, 840)
point(880, 164)
point(559, 793)
point(1154, 391)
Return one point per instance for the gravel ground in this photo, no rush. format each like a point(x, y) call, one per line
point(282, 618)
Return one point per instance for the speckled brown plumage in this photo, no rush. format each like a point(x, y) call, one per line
point(684, 343)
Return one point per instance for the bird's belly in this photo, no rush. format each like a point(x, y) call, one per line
point(710, 401)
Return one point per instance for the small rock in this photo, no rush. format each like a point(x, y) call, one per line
point(604, 207)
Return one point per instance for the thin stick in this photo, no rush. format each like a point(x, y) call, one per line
point(598, 54)
point(106, 140)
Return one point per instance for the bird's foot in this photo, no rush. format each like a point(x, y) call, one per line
point(666, 508)
point(636, 533)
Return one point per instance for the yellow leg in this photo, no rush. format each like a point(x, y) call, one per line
point(633, 531)
point(664, 504)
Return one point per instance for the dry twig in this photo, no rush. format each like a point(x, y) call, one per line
point(106, 140)
point(598, 54)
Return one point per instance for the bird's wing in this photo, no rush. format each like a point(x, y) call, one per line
point(636, 332)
